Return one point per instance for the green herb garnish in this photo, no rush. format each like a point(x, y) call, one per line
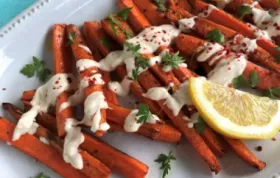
point(38, 68)
point(106, 42)
point(165, 161)
point(160, 5)
point(254, 79)
point(240, 81)
point(42, 175)
point(71, 37)
point(135, 74)
point(124, 13)
point(273, 93)
point(143, 113)
point(243, 10)
point(115, 23)
point(172, 59)
point(216, 36)
point(200, 125)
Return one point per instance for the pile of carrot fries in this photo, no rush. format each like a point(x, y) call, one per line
point(98, 94)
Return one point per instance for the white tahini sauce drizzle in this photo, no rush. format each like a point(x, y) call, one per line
point(174, 102)
point(72, 141)
point(131, 125)
point(187, 24)
point(92, 111)
point(44, 97)
point(85, 48)
point(222, 3)
point(78, 96)
point(268, 21)
point(121, 89)
point(259, 34)
point(244, 45)
point(192, 120)
point(44, 140)
point(208, 11)
point(208, 50)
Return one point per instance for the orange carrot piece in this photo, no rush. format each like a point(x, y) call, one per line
point(97, 33)
point(188, 44)
point(269, 4)
point(135, 12)
point(151, 11)
point(80, 53)
point(111, 157)
point(184, 4)
point(245, 154)
point(110, 96)
point(225, 19)
point(154, 131)
point(40, 151)
point(62, 64)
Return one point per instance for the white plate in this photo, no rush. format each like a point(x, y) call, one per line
point(29, 35)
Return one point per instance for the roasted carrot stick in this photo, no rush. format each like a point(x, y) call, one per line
point(96, 33)
point(166, 78)
point(62, 64)
point(180, 4)
point(91, 166)
point(245, 154)
point(80, 53)
point(151, 11)
point(34, 147)
point(203, 26)
point(109, 95)
point(268, 80)
point(154, 131)
point(119, 161)
point(220, 17)
point(134, 12)
point(269, 4)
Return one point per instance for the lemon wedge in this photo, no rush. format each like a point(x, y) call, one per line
point(234, 113)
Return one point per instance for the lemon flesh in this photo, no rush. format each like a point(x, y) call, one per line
point(234, 113)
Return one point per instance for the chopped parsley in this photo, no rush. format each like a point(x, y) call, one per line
point(143, 113)
point(106, 42)
point(200, 125)
point(243, 10)
point(172, 59)
point(165, 161)
point(71, 37)
point(161, 5)
point(38, 68)
point(216, 36)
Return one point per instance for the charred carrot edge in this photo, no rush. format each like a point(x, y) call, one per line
point(188, 44)
point(111, 157)
point(134, 12)
point(245, 154)
point(269, 4)
point(109, 95)
point(80, 53)
point(27, 95)
point(225, 19)
point(147, 80)
point(97, 33)
point(203, 26)
point(34, 147)
point(212, 140)
point(154, 131)
point(150, 10)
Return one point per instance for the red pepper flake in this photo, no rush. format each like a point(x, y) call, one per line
point(205, 13)
point(144, 35)
point(163, 31)
point(147, 40)
point(3, 89)
point(151, 40)
point(152, 28)
point(244, 44)
point(275, 24)
point(144, 48)
point(163, 39)
point(210, 48)
point(259, 148)
point(54, 88)
point(273, 139)
point(229, 68)
point(154, 36)
point(277, 28)
point(56, 82)
point(59, 78)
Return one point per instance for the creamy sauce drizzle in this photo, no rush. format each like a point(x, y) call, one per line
point(121, 89)
point(187, 24)
point(72, 141)
point(85, 48)
point(92, 111)
point(244, 45)
point(192, 120)
point(44, 97)
point(131, 125)
point(208, 11)
point(174, 102)
point(44, 140)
